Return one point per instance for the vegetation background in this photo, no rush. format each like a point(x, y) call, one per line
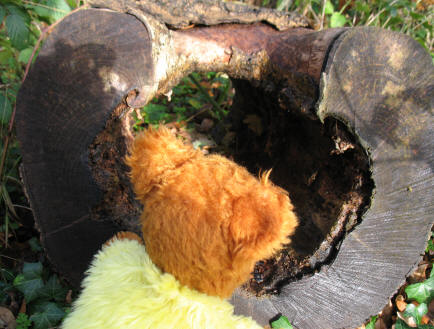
point(31, 294)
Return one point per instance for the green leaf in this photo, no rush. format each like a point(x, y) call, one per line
point(72, 4)
point(23, 321)
point(401, 325)
point(52, 9)
point(30, 282)
point(154, 113)
point(430, 246)
point(32, 270)
point(282, 323)
point(337, 20)
point(34, 244)
point(17, 26)
point(195, 103)
point(329, 9)
point(49, 317)
point(24, 55)
point(371, 324)
point(421, 292)
point(29, 287)
point(53, 290)
point(5, 55)
point(417, 312)
point(5, 109)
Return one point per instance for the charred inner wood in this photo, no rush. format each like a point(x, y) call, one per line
point(110, 173)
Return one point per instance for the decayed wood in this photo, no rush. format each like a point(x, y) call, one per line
point(97, 60)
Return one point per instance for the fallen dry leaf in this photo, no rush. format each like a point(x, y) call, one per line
point(7, 319)
point(400, 303)
point(419, 274)
point(206, 125)
point(23, 307)
point(425, 319)
point(68, 298)
point(380, 324)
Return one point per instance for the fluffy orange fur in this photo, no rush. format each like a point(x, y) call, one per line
point(206, 220)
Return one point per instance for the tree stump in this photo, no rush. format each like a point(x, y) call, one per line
point(359, 237)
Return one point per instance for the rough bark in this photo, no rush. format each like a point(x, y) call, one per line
point(72, 120)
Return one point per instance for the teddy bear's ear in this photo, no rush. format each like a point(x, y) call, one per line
point(153, 154)
point(262, 223)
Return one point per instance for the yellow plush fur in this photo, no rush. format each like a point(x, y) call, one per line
point(206, 220)
point(123, 289)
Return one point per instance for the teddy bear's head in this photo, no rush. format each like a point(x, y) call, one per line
point(206, 220)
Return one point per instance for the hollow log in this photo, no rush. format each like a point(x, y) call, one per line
point(99, 63)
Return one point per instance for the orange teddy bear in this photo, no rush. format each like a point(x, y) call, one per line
point(206, 222)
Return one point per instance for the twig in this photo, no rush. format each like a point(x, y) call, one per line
point(322, 15)
point(23, 207)
point(196, 114)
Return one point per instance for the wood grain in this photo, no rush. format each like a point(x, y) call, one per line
point(380, 84)
point(87, 65)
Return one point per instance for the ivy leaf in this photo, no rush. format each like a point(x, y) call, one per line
point(281, 323)
point(29, 287)
point(17, 26)
point(417, 312)
point(32, 270)
point(30, 282)
point(34, 245)
point(430, 246)
point(53, 289)
point(5, 109)
point(337, 20)
point(400, 324)
point(371, 324)
point(421, 292)
point(49, 316)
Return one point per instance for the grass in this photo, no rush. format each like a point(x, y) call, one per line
point(37, 297)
